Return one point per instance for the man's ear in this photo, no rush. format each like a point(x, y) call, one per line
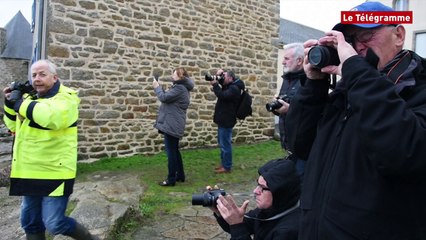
point(300, 61)
point(399, 34)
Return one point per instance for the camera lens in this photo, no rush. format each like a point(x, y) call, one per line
point(199, 199)
point(208, 77)
point(207, 199)
point(321, 56)
point(273, 105)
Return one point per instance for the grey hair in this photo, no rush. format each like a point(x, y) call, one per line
point(298, 49)
point(50, 66)
point(231, 74)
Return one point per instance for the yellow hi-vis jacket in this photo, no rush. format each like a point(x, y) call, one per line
point(44, 161)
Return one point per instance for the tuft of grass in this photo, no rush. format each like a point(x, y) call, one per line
point(199, 165)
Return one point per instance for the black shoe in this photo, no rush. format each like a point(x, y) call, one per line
point(166, 183)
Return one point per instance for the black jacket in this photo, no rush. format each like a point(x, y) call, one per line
point(366, 142)
point(281, 220)
point(284, 228)
point(228, 98)
point(291, 84)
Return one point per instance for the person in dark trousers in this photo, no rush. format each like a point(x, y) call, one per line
point(365, 141)
point(293, 77)
point(277, 212)
point(228, 93)
point(171, 121)
point(44, 161)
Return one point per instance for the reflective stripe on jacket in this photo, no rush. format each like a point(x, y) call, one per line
point(45, 146)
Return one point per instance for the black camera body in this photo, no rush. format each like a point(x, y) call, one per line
point(271, 106)
point(23, 87)
point(321, 56)
point(219, 78)
point(208, 199)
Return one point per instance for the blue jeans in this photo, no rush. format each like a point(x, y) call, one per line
point(39, 213)
point(175, 164)
point(224, 138)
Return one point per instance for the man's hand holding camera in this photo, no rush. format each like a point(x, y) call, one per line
point(336, 40)
point(284, 108)
point(15, 95)
point(226, 207)
point(230, 211)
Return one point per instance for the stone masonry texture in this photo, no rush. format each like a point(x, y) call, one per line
point(109, 50)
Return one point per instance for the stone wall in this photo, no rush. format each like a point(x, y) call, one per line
point(12, 70)
point(109, 50)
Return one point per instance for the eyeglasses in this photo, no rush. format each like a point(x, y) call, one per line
point(364, 36)
point(262, 188)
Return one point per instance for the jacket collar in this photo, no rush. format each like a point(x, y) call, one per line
point(52, 92)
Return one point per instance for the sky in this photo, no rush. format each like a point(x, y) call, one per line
point(9, 8)
point(319, 14)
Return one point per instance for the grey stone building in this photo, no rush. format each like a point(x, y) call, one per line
point(15, 55)
point(109, 50)
point(15, 52)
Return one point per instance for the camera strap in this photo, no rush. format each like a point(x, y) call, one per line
point(398, 69)
point(401, 70)
point(286, 212)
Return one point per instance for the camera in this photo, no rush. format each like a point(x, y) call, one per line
point(25, 87)
point(207, 199)
point(321, 56)
point(276, 105)
point(219, 78)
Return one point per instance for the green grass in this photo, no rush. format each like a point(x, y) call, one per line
point(199, 165)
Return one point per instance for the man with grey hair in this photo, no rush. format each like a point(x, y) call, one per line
point(292, 78)
point(365, 140)
point(44, 163)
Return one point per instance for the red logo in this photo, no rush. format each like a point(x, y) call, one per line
point(360, 17)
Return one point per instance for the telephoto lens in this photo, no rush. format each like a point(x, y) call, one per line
point(321, 56)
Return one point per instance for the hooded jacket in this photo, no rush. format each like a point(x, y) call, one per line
point(281, 221)
point(228, 99)
point(174, 103)
point(365, 144)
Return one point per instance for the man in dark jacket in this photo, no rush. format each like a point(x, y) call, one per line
point(228, 93)
point(293, 77)
point(277, 212)
point(366, 140)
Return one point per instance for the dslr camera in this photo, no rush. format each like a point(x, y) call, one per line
point(207, 199)
point(23, 87)
point(271, 106)
point(321, 56)
point(219, 78)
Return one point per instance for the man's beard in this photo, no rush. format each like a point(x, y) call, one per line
point(286, 69)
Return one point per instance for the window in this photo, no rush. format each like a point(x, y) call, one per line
point(420, 43)
point(400, 5)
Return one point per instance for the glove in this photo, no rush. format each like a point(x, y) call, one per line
point(15, 95)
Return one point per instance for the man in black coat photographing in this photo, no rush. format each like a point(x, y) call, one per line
point(277, 212)
point(365, 141)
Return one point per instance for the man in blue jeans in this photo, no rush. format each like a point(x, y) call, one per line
point(227, 88)
point(44, 163)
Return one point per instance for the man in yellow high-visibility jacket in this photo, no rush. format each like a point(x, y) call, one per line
point(44, 158)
